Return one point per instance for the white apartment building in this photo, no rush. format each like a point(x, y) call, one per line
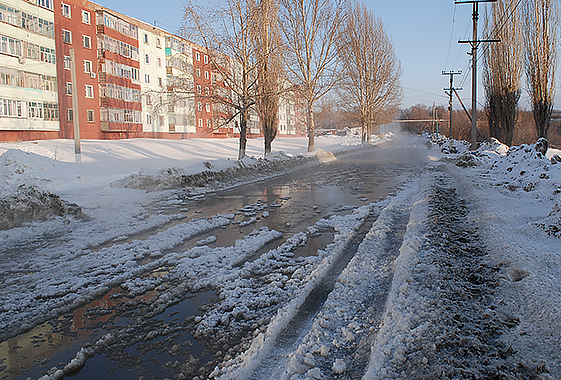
point(287, 116)
point(28, 83)
point(180, 82)
point(151, 45)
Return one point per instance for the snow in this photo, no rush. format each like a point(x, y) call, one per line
point(510, 192)
point(377, 321)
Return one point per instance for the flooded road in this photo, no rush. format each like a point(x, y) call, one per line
point(142, 340)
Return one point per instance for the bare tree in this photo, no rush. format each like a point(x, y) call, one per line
point(310, 29)
point(228, 33)
point(541, 21)
point(502, 69)
point(268, 49)
point(371, 90)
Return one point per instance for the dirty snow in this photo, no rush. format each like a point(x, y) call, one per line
point(476, 271)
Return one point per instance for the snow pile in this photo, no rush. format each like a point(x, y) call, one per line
point(250, 168)
point(523, 171)
point(30, 204)
point(446, 145)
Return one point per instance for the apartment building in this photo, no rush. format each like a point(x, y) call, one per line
point(75, 30)
point(133, 79)
point(180, 87)
point(119, 76)
point(153, 79)
point(28, 76)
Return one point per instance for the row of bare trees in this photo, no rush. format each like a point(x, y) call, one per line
point(266, 49)
point(528, 36)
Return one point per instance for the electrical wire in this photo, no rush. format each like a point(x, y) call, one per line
point(500, 25)
point(451, 35)
point(505, 19)
point(423, 92)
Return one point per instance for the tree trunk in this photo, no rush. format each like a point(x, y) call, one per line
point(270, 135)
point(243, 137)
point(311, 129)
point(542, 118)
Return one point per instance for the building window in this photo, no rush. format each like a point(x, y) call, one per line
point(207, 106)
point(89, 91)
point(149, 119)
point(206, 74)
point(160, 83)
point(66, 12)
point(68, 88)
point(148, 100)
point(146, 78)
point(66, 36)
point(86, 17)
point(159, 62)
point(145, 38)
point(198, 56)
point(12, 108)
point(158, 43)
point(87, 42)
point(206, 58)
point(207, 91)
point(70, 115)
point(135, 74)
point(199, 106)
point(87, 66)
point(198, 72)
point(67, 63)
point(199, 90)
point(147, 58)
point(201, 123)
point(90, 116)
point(209, 123)
point(35, 110)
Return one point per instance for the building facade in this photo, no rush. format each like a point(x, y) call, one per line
point(75, 30)
point(132, 79)
point(28, 76)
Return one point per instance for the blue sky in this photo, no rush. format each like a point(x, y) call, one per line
point(425, 35)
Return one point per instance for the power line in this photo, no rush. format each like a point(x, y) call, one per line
point(424, 92)
point(475, 42)
point(451, 35)
point(496, 31)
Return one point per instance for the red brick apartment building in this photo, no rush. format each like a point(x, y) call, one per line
point(126, 71)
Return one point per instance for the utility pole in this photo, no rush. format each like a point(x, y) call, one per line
point(75, 110)
point(450, 93)
point(433, 116)
point(474, 46)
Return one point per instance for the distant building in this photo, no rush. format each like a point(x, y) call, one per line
point(180, 87)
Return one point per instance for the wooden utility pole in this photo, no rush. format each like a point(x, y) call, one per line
point(474, 46)
point(450, 93)
point(75, 110)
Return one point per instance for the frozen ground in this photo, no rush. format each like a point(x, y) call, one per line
point(457, 275)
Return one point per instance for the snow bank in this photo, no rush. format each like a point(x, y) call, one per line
point(82, 181)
